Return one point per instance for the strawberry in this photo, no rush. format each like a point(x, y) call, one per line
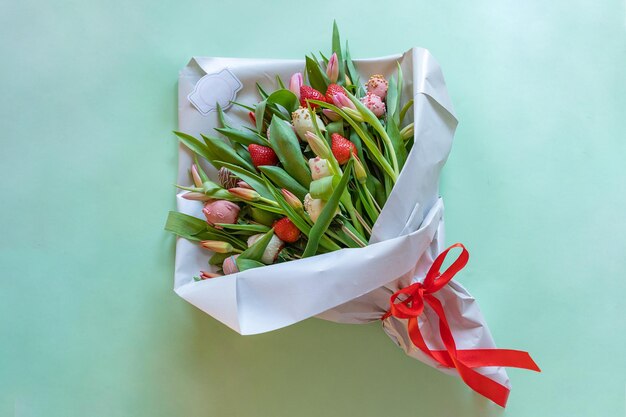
point(286, 230)
point(262, 155)
point(310, 93)
point(332, 90)
point(342, 148)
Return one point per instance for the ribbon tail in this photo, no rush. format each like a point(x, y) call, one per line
point(475, 358)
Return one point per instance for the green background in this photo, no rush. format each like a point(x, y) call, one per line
point(89, 324)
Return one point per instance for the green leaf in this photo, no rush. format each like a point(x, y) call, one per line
point(218, 258)
point(327, 214)
point(245, 264)
point(262, 92)
point(317, 78)
point(282, 179)
point(259, 114)
point(245, 137)
point(353, 73)
point(398, 144)
point(192, 228)
point(280, 81)
point(255, 252)
point(322, 188)
point(286, 145)
point(256, 228)
point(221, 116)
point(285, 98)
point(195, 145)
point(225, 153)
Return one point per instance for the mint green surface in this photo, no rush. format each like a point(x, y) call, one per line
point(89, 324)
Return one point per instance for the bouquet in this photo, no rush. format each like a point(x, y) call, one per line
point(318, 197)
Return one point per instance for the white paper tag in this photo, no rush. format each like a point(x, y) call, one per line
point(219, 87)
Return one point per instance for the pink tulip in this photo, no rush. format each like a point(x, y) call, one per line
point(208, 275)
point(331, 115)
point(196, 176)
point(196, 196)
point(374, 103)
point(341, 100)
point(377, 85)
point(332, 69)
point(229, 266)
point(295, 83)
point(221, 211)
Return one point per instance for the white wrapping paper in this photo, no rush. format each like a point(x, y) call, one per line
point(350, 285)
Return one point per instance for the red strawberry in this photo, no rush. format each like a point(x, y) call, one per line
point(332, 90)
point(286, 230)
point(262, 155)
point(342, 148)
point(310, 93)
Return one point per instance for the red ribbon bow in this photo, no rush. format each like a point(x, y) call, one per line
point(464, 360)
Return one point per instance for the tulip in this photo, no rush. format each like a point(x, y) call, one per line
point(318, 145)
point(295, 83)
point(221, 211)
point(196, 196)
point(252, 117)
point(342, 101)
point(243, 184)
point(377, 85)
point(374, 103)
point(217, 246)
point(353, 114)
point(331, 115)
point(245, 193)
point(332, 69)
point(291, 199)
point(407, 131)
point(272, 249)
point(208, 275)
point(196, 176)
point(320, 168)
point(359, 170)
point(303, 123)
point(229, 266)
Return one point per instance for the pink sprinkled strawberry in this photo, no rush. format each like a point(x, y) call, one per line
point(310, 93)
point(262, 155)
point(342, 148)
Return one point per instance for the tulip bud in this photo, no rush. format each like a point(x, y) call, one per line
point(221, 211)
point(331, 115)
point(217, 246)
point(245, 193)
point(332, 69)
point(196, 176)
point(374, 103)
point(229, 266)
point(318, 145)
point(407, 131)
point(291, 199)
point(208, 275)
point(359, 170)
point(196, 196)
point(303, 123)
point(377, 85)
point(320, 168)
point(353, 114)
point(243, 184)
point(295, 83)
point(252, 117)
point(342, 101)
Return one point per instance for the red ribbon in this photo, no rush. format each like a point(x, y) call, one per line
point(464, 360)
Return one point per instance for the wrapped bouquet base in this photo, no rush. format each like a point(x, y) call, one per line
point(395, 277)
